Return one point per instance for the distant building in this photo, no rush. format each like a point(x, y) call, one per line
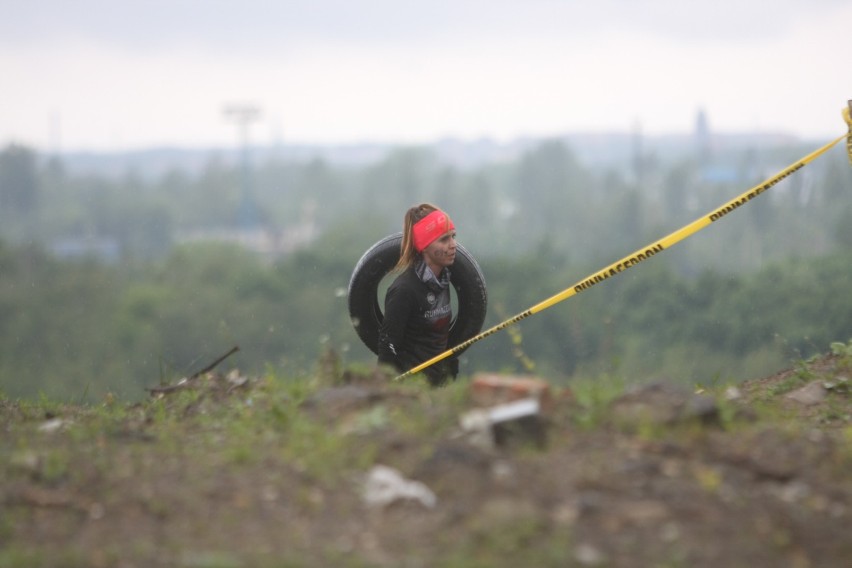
point(267, 242)
point(100, 248)
point(703, 142)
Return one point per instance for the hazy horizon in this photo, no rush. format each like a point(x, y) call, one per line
point(94, 75)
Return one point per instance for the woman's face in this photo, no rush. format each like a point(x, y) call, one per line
point(441, 252)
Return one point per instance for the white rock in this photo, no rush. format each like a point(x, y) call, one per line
point(385, 485)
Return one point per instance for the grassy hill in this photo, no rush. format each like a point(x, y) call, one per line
point(233, 471)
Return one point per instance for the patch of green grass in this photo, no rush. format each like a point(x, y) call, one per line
point(843, 350)
point(54, 466)
point(320, 451)
point(834, 413)
point(209, 559)
point(7, 526)
point(594, 396)
point(428, 410)
point(519, 541)
point(805, 373)
point(15, 557)
point(798, 379)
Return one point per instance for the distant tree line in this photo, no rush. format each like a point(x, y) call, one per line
point(83, 328)
point(768, 283)
point(546, 198)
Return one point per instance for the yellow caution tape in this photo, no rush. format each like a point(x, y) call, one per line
point(848, 120)
point(642, 254)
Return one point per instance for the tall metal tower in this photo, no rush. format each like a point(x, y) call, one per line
point(244, 115)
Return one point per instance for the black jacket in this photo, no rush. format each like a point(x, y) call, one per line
point(416, 323)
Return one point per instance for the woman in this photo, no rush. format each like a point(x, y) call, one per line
point(418, 313)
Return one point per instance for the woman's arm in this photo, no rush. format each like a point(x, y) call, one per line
point(398, 309)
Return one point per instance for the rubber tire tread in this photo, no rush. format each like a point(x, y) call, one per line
point(363, 298)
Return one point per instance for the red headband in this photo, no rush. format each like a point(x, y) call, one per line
point(430, 227)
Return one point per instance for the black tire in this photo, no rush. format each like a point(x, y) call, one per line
point(379, 260)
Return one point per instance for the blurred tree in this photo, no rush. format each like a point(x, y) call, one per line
point(552, 193)
point(676, 187)
point(843, 228)
point(18, 184)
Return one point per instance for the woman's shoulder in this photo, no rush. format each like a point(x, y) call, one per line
point(407, 279)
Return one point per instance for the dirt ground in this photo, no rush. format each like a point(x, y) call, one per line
point(660, 476)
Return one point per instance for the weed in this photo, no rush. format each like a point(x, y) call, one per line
point(49, 406)
point(7, 526)
point(14, 557)
point(594, 397)
point(526, 363)
point(241, 454)
point(729, 410)
point(790, 383)
point(55, 466)
point(708, 478)
point(804, 371)
point(833, 413)
point(320, 451)
point(844, 351)
point(295, 390)
point(433, 410)
point(370, 420)
point(209, 559)
point(516, 539)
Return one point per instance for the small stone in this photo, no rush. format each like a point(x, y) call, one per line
point(733, 393)
point(385, 485)
point(664, 403)
point(52, 425)
point(487, 389)
point(588, 555)
point(809, 395)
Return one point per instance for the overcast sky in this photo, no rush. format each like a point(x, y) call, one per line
point(125, 74)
